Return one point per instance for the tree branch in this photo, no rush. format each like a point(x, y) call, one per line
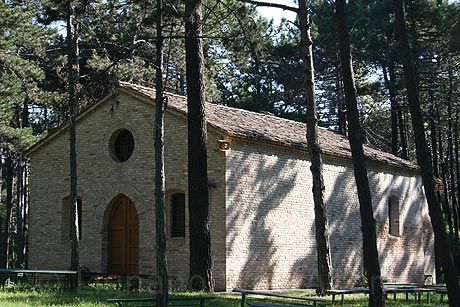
point(280, 6)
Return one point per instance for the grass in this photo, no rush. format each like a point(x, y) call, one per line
point(28, 297)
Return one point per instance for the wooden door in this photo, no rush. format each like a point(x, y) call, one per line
point(123, 238)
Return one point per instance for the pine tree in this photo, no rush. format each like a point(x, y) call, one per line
point(371, 256)
point(423, 158)
point(200, 237)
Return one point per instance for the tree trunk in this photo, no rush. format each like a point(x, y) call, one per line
point(1, 169)
point(450, 150)
point(2, 246)
point(200, 237)
point(445, 197)
point(321, 225)
point(401, 124)
point(73, 70)
point(402, 132)
point(452, 188)
point(434, 140)
point(9, 209)
point(457, 161)
point(443, 173)
point(371, 257)
point(25, 214)
point(394, 110)
point(434, 154)
point(22, 194)
point(1, 198)
point(341, 108)
point(46, 125)
point(20, 198)
point(160, 213)
point(423, 159)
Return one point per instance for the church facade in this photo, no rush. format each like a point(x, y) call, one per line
point(262, 215)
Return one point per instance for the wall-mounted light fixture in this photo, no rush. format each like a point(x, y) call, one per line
point(439, 187)
point(438, 184)
point(224, 145)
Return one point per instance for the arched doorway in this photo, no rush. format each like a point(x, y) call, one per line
point(123, 238)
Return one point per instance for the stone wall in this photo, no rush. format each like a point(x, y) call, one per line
point(270, 220)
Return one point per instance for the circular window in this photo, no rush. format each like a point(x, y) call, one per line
point(122, 145)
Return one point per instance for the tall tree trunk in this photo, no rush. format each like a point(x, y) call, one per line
point(450, 161)
point(24, 194)
point(200, 237)
point(73, 71)
point(341, 107)
point(160, 213)
point(23, 122)
point(402, 132)
point(371, 257)
point(394, 110)
point(444, 167)
point(20, 197)
point(321, 225)
point(445, 196)
point(434, 154)
point(25, 115)
point(1, 169)
point(434, 139)
point(46, 125)
point(400, 114)
point(452, 188)
point(2, 254)
point(457, 162)
point(25, 213)
point(1, 199)
point(423, 158)
point(9, 208)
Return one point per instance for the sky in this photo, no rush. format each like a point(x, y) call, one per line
point(276, 13)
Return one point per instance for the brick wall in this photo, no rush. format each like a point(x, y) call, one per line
point(270, 220)
point(262, 217)
point(101, 179)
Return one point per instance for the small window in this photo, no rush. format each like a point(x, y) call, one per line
point(178, 215)
point(122, 145)
point(393, 213)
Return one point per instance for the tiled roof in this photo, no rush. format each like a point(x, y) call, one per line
point(262, 127)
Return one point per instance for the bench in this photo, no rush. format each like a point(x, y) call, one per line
point(387, 289)
point(443, 292)
point(44, 278)
point(38, 275)
point(417, 291)
point(277, 296)
point(187, 301)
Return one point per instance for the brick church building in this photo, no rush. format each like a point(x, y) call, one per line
point(262, 217)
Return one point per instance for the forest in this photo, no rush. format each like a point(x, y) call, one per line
point(250, 63)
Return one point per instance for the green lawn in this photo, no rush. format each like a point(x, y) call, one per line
point(96, 298)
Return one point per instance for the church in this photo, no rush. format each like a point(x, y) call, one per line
point(262, 213)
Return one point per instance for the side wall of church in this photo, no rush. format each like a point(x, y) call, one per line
point(270, 220)
point(101, 179)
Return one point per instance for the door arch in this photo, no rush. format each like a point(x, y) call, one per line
point(123, 257)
